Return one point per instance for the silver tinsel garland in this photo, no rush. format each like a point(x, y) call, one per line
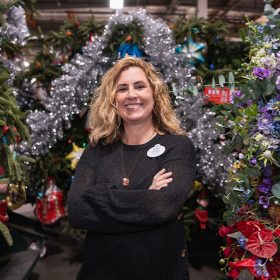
point(201, 127)
point(71, 92)
point(16, 30)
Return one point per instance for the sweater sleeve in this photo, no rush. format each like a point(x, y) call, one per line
point(82, 213)
point(151, 207)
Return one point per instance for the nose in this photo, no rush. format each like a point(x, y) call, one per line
point(131, 93)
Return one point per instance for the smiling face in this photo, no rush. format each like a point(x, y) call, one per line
point(134, 96)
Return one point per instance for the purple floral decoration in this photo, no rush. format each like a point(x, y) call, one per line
point(266, 186)
point(261, 73)
point(267, 171)
point(264, 201)
point(254, 161)
point(268, 119)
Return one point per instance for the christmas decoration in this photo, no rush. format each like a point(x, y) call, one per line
point(12, 129)
point(192, 50)
point(16, 196)
point(3, 211)
point(218, 95)
point(75, 155)
point(200, 123)
point(15, 28)
point(50, 204)
point(208, 40)
point(126, 37)
point(13, 175)
point(252, 193)
point(70, 93)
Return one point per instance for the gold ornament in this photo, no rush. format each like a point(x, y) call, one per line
point(197, 185)
point(75, 155)
point(16, 196)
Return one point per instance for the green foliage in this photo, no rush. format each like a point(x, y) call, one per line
point(57, 47)
point(12, 130)
point(120, 34)
point(221, 56)
point(192, 28)
point(26, 4)
point(72, 36)
point(276, 190)
point(54, 164)
point(42, 69)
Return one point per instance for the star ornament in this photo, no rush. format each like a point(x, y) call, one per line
point(75, 155)
point(192, 50)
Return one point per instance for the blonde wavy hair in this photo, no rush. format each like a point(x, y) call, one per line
point(104, 122)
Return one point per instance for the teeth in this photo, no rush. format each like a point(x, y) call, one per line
point(133, 106)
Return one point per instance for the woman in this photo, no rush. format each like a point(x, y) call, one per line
point(132, 180)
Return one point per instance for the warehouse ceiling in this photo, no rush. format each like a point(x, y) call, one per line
point(52, 13)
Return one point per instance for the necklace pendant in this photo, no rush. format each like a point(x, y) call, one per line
point(125, 182)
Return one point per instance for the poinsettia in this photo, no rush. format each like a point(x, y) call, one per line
point(261, 244)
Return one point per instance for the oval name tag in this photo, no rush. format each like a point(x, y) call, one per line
point(156, 151)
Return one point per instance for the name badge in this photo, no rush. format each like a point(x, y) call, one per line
point(156, 151)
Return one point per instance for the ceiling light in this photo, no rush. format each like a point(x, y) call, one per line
point(116, 4)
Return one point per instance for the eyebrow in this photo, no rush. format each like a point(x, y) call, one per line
point(135, 83)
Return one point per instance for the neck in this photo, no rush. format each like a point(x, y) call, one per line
point(138, 134)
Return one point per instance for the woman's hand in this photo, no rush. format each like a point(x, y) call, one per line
point(161, 180)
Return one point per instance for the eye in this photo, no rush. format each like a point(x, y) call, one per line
point(139, 86)
point(121, 89)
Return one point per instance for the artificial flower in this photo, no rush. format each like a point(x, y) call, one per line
point(247, 228)
point(261, 244)
point(261, 73)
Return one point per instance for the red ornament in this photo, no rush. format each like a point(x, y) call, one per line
point(50, 208)
point(77, 23)
point(5, 129)
point(91, 38)
point(261, 244)
point(3, 211)
point(202, 216)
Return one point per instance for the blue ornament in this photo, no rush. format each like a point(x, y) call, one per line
point(192, 50)
point(4, 140)
point(129, 49)
point(212, 66)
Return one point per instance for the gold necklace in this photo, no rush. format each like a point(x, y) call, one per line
point(125, 180)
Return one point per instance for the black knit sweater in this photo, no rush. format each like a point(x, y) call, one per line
point(133, 233)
